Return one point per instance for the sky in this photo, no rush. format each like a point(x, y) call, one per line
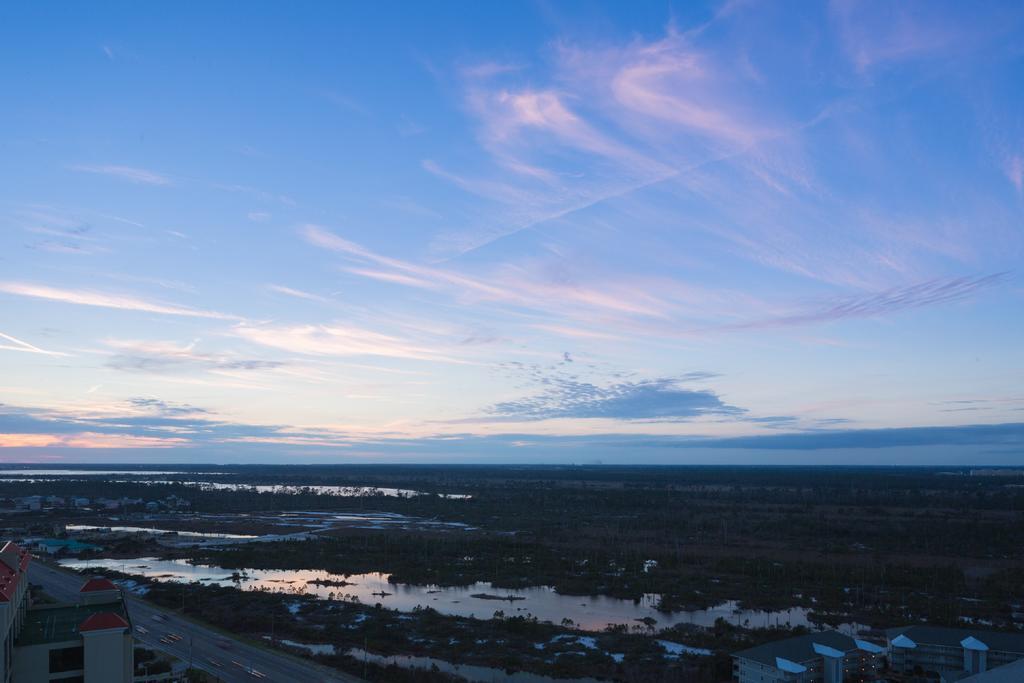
point(539, 232)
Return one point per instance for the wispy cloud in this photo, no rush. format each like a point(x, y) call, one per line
point(165, 408)
point(489, 69)
point(578, 332)
point(605, 122)
point(530, 133)
point(297, 293)
point(647, 305)
point(164, 283)
point(346, 102)
point(414, 273)
point(103, 300)
point(512, 285)
point(337, 340)
point(873, 36)
point(671, 80)
point(60, 230)
point(392, 277)
point(1014, 169)
point(261, 195)
point(163, 357)
point(611, 121)
point(509, 114)
point(129, 173)
point(894, 300)
point(19, 345)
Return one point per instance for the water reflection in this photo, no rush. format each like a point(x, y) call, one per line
point(86, 473)
point(592, 613)
point(154, 530)
point(35, 476)
point(344, 491)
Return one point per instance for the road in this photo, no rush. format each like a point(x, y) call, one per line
point(198, 643)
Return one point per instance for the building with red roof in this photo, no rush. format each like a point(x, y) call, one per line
point(89, 641)
point(97, 583)
point(98, 590)
point(102, 621)
point(13, 565)
point(13, 601)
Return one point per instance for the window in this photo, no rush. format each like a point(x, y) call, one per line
point(67, 659)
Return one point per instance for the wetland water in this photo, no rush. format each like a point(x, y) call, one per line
point(292, 525)
point(144, 478)
point(592, 613)
point(155, 530)
point(43, 474)
point(343, 491)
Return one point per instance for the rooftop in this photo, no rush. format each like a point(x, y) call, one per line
point(13, 563)
point(954, 637)
point(96, 584)
point(101, 621)
point(64, 623)
point(1007, 673)
point(800, 648)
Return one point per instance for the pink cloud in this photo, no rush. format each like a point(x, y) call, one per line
point(87, 440)
point(512, 285)
point(1014, 169)
point(872, 34)
point(106, 300)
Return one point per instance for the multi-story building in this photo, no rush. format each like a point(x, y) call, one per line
point(1007, 673)
point(13, 602)
point(89, 641)
point(86, 642)
point(951, 654)
point(826, 657)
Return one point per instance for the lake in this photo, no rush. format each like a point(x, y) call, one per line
point(592, 613)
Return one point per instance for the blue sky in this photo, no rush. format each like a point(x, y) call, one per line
point(495, 232)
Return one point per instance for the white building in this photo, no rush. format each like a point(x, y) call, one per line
point(951, 654)
point(826, 657)
point(1007, 673)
